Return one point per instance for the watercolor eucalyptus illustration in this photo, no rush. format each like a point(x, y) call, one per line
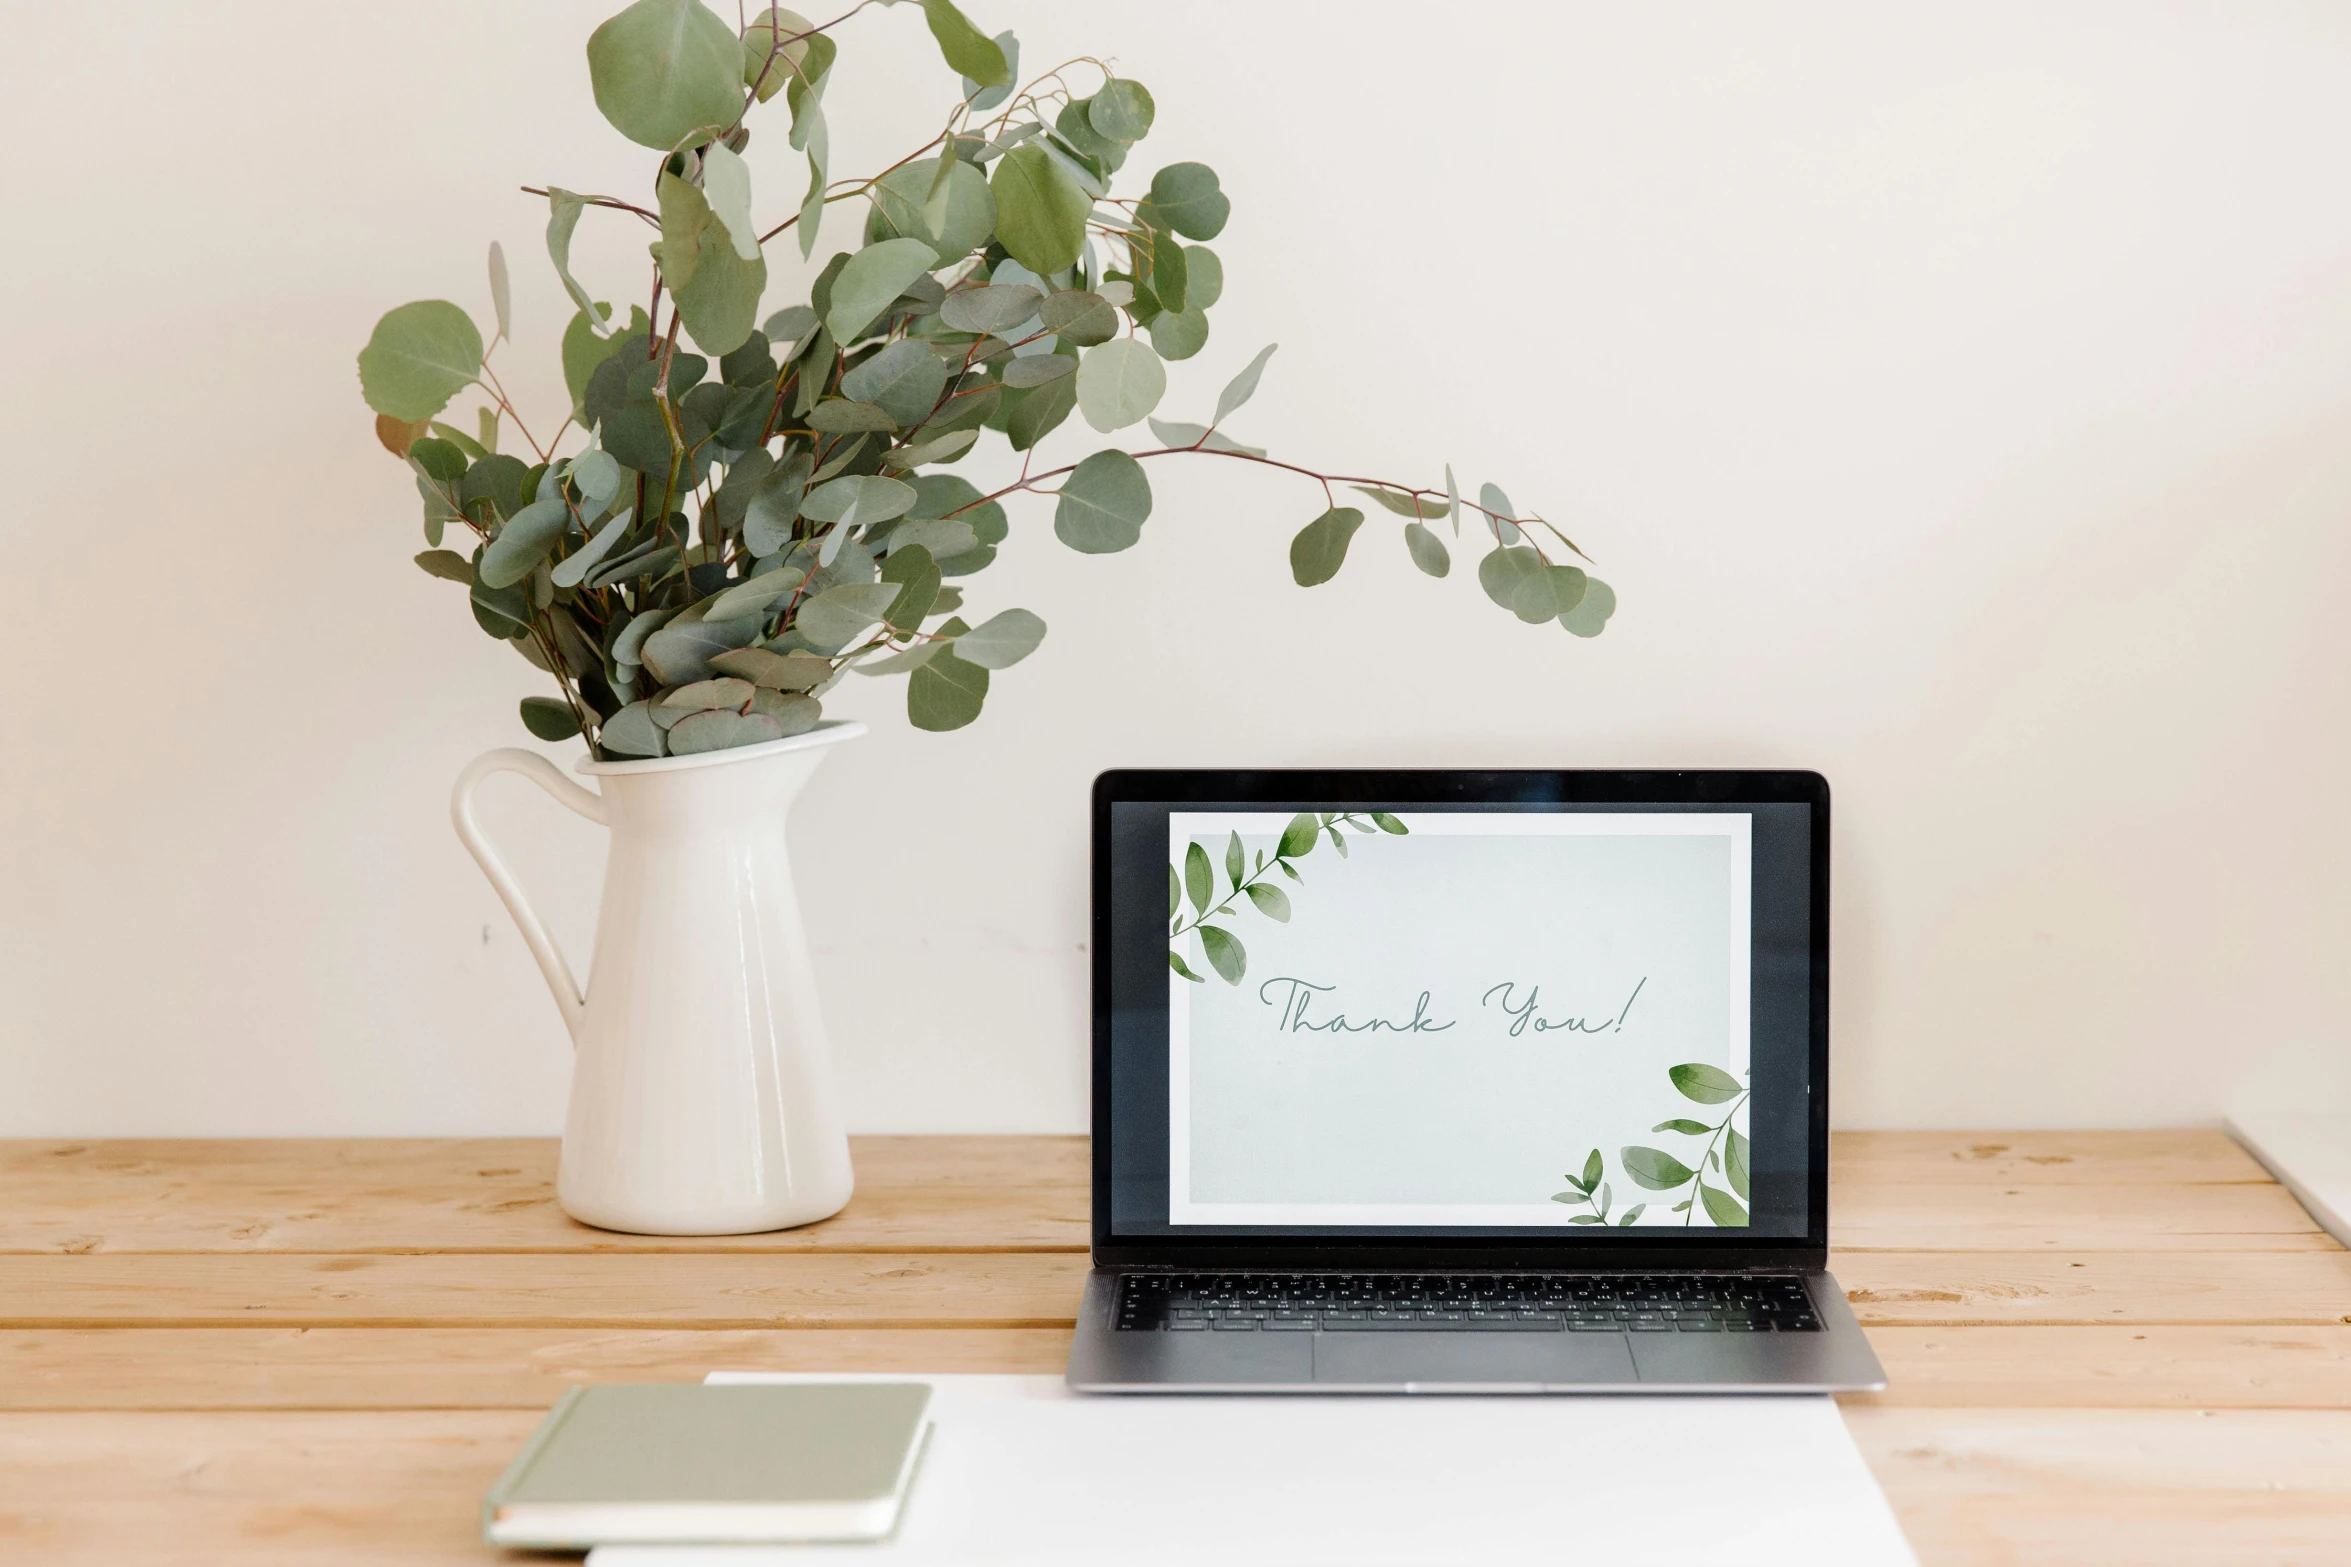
point(1254, 881)
point(1724, 1152)
point(708, 541)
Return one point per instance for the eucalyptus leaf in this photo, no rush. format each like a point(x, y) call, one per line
point(1497, 506)
point(1103, 504)
point(563, 216)
point(524, 541)
point(1428, 551)
point(663, 69)
point(953, 220)
point(1590, 615)
point(1119, 383)
point(501, 291)
point(946, 692)
point(794, 712)
point(1123, 110)
point(721, 731)
point(754, 595)
point(1187, 198)
point(1037, 369)
point(629, 646)
point(905, 380)
point(941, 538)
point(720, 691)
point(726, 186)
point(715, 288)
point(680, 652)
point(1040, 411)
point(1040, 211)
point(632, 732)
point(990, 307)
point(1320, 548)
point(448, 565)
point(874, 277)
point(844, 416)
point(1516, 577)
point(902, 663)
point(970, 52)
point(916, 576)
point(1078, 318)
point(838, 615)
point(549, 719)
point(773, 670)
point(1402, 504)
point(858, 501)
point(1206, 277)
point(1242, 387)
point(1179, 334)
point(1002, 640)
point(419, 357)
point(774, 47)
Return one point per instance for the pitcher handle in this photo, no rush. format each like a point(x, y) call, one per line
point(568, 999)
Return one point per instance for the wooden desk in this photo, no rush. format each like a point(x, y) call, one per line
point(2105, 1346)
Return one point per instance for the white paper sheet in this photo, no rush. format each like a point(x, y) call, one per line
point(1021, 1470)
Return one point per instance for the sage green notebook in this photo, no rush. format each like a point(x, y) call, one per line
point(689, 1463)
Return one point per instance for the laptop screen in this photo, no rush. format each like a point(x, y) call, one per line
point(1496, 1007)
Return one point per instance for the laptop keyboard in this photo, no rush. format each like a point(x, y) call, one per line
point(1458, 1303)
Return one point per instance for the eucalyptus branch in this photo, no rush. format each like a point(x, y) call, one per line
point(728, 449)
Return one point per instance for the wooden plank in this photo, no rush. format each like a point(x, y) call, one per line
point(458, 1368)
point(1991, 1216)
point(2169, 1157)
point(498, 1194)
point(2150, 1367)
point(2145, 1487)
point(258, 1490)
point(1019, 1290)
point(494, 1368)
point(722, 1290)
point(1927, 1288)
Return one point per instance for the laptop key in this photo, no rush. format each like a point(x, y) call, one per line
point(1290, 1325)
point(1236, 1324)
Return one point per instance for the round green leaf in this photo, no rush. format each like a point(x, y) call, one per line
point(1656, 1169)
point(1002, 640)
point(1188, 198)
point(1122, 110)
point(1590, 615)
point(1709, 1085)
point(419, 357)
point(1080, 319)
point(871, 281)
point(990, 308)
point(904, 380)
point(1206, 276)
point(721, 731)
point(548, 718)
point(778, 33)
point(945, 692)
point(1320, 548)
point(973, 54)
point(1033, 370)
point(663, 69)
point(1179, 334)
point(1040, 212)
point(1103, 504)
point(1119, 383)
point(1516, 577)
point(1428, 551)
point(632, 732)
point(901, 209)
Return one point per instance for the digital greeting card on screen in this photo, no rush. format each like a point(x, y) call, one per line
point(1458, 1018)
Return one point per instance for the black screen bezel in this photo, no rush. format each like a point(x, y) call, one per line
point(1707, 1249)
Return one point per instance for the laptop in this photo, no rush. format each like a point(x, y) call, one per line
point(1462, 1082)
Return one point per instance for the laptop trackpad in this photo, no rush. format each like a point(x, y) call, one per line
point(1437, 1361)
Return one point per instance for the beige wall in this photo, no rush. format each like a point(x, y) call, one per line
point(1959, 398)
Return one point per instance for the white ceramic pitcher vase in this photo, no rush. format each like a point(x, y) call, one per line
point(701, 1096)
